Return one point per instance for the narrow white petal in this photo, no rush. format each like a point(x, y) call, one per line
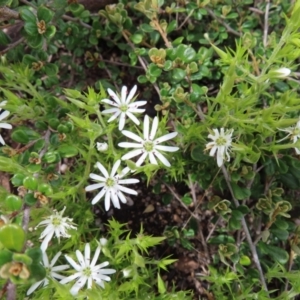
point(141, 159)
point(102, 170)
point(45, 242)
point(2, 140)
point(130, 145)
point(97, 177)
point(123, 94)
point(122, 197)
point(115, 168)
point(137, 104)
point(60, 268)
point(127, 190)
point(166, 137)
point(133, 136)
point(122, 121)
point(90, 283)
point(78, 285)
point(4, 114)
point(166, 148)
point(70, 278)
point(136, 110)
point(107, 200)
point(162, 159)
point(107, 101)
point(154, 128)
point(114, 116)
point(115, 199)
point(100, 266)
point(34, 287)
point(87, 254)
point(5, 126)
point(73, 263)
point(114, 96)
point(219, 159)
point(80, 258)
point(110, 110)
point(95, 258)
point(99, 282)
point(54, 259)
point(152, 159)
point(46, 260)
point(213, 151)
point(57, 276)
point(108, 271)
point(146, 127)
point(132, 154)
point(95, 186)
point(131, 94)
point(128, 181)
point(133, 118)
point(99, 196)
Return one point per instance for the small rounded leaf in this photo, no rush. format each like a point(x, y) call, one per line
point(12, 237)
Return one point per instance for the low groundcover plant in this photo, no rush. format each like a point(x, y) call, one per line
point(136, 132)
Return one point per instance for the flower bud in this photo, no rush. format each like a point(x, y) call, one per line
point(102, 147)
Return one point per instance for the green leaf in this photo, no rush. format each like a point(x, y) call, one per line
point(13, 202)
point(146, 28)
point(31, 28)
point(136, 38)
point(280, 234)
point(45, 14)
point(178, 74)
point(30, 183)
point(37, 271)
point(24, 135)
point(27, 15)
point(50, 32)
point(66, 150)
point(35, 254)
point(4, 40)
point(10, 166)
point(12, 237)
point(160, 284)
point(51, 69)
point(22, 258)
point(240, 193)
point(199, 155)
point(30, 199)
point(5, 256)
point(154, 70)
point(17, 179)
point(276, 253)
point(35, 41)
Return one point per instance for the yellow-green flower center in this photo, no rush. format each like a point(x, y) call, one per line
point(110, 182)
point(221, 141)
point(56, 221)
point(123, 107)
point(87, 272)
point(148, 146)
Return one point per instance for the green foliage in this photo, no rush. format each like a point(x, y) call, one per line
point(213, 65)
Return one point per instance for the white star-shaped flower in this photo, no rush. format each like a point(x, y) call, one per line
point(123, 107)
point(293, 133)
point(111, 185)
point(221, 144)
point(148, 146)
point(87, 271)
point(51, 272)
point(3, 115)
point(56, 225)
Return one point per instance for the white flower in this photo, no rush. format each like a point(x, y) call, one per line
point(103, 242)
point(294, 133)
point(51, 272)
point(221, 143)
point(281, 72)
point(111, 185)
point(148, 146)
point(123, 107)
point(3, 115)
point(55, 224)
point(102, 147)
point(87, 271)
